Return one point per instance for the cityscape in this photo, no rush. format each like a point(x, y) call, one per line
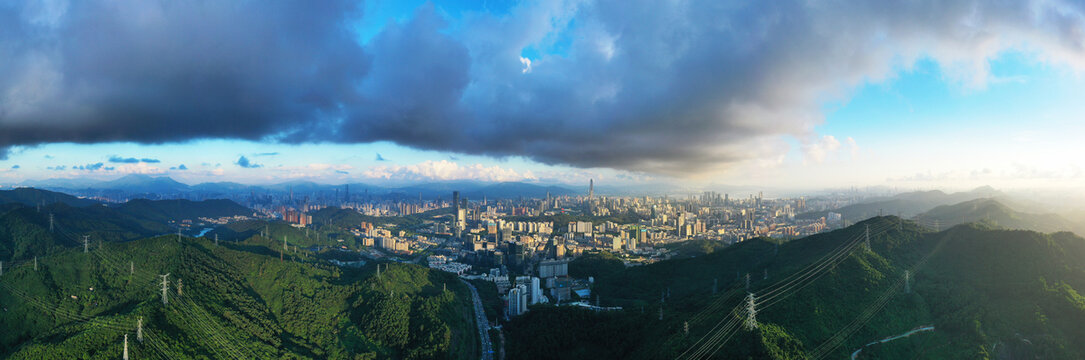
point(563, 179)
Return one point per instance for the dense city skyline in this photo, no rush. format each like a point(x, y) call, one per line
point(981, 94)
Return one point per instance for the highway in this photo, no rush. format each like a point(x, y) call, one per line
point(483, 323)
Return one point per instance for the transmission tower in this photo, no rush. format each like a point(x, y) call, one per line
point(937, 225)
point(751, 312)
point(685, 328)
point(766, 277)
point(1, 268)
point(35, 263)
point(216, 239)
point(178, 235)
point(131, 267)
point(866, 238)
point(165, 288)
point(747, 281)
point(139, 330)
point(715, 284)
point(179, 293)
point(50, 222)
point(660, 312)
point(125, 346)
point(907, 281)
point(86, 240)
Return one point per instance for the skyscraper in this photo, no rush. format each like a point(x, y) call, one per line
point(456, 213)
point(591, 188)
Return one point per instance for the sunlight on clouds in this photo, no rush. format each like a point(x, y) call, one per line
point(447, 170)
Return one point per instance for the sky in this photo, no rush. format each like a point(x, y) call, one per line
point(783, 94)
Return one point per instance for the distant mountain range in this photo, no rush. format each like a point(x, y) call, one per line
point(905, 204)
point(993, 212)
point(144, 186)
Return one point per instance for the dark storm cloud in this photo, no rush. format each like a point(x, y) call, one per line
point(164, 71)
point(681, 87)
point(245, 163)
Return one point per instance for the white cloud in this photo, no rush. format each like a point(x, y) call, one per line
point(140, 168)
point(527, 65)
point(853, 148)
point(817, 151)
point(447, 170)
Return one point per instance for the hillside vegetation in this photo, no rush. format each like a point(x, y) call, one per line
point(238, 300)
point(175, 210)
point(989, 293)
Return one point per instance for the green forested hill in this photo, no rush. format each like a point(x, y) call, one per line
point(176, 210)
point(231, 301)
point(25, 231)
point(36, 197)
point(988, 293)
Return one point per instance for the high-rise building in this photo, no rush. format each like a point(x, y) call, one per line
point(457, 230)
point(591, 189)
point(553, 268)
point(513, 302)
point(517, 300)
point(536, 290)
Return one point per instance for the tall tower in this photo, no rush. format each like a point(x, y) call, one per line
point(456, 213)
point(591, 188)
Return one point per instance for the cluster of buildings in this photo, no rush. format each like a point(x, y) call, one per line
point(443, 263)
point(537, 237)
point(297, 218)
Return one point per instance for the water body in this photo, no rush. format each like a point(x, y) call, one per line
point(204, 232)
point(855, 354)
